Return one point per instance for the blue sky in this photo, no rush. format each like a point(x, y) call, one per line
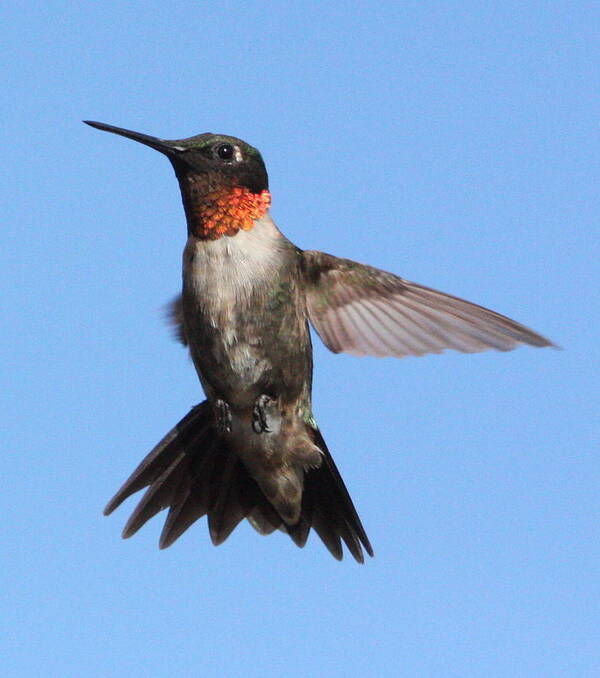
point(455, 144)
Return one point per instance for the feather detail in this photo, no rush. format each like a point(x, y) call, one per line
point(362, 310)
point(194, 472)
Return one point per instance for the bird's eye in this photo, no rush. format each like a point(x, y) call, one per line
point(225, 151)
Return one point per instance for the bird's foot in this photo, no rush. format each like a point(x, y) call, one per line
point(223, 416)
point(263, 410)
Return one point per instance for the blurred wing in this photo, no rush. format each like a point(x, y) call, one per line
point(362, 310)
point(174, 312)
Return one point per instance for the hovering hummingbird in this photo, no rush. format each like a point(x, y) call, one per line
point(252, 449)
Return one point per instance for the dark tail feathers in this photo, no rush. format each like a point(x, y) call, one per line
point(192, 472)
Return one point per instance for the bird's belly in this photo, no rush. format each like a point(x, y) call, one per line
point(246, 328)
point(234, 363)
point(239, 358)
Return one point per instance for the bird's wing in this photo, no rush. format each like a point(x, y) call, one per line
point(174, 313)
point(362, 310)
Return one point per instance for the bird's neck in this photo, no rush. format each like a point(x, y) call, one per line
point(221, 210)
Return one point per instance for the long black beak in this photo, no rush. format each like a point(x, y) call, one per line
point(169, 148)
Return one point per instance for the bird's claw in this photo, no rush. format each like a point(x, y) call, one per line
point(223, 416)
point(260, 422)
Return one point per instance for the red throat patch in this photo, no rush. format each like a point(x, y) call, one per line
point(227, 210)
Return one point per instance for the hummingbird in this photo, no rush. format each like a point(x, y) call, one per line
point(253, 448)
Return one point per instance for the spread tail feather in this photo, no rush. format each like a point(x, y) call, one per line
point(193, 472)
point(328, 509)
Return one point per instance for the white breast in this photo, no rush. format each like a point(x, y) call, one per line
point(220, 274)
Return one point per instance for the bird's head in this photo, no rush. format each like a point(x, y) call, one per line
point(223, 180)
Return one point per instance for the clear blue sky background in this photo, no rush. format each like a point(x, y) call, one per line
point(453, 143)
